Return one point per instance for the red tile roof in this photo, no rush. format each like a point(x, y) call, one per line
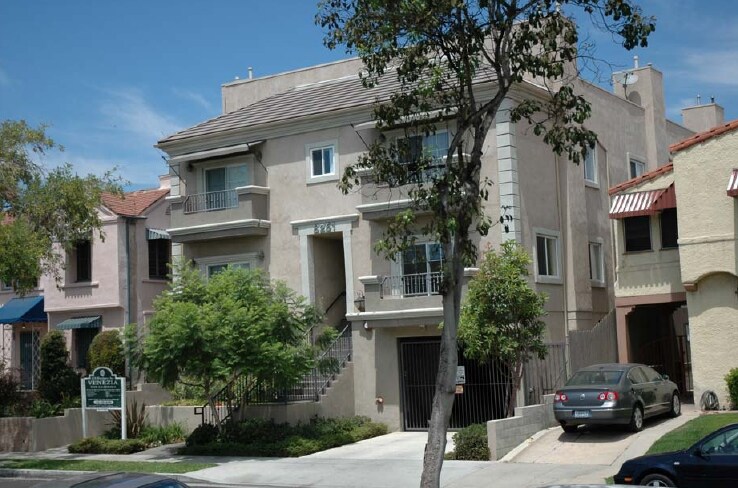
point(134, 203)
point(667, 168)
point(703, 136)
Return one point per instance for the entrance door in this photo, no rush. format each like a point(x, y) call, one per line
point(29, 352)
point(483, 396)
point(83, 339)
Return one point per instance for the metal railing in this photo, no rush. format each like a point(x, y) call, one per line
point(246, 390)
point(212, 200)
point(412, 285)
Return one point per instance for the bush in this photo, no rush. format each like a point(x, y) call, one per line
point(9, 394)
point(165, 434)
point(101, 445)
point(471, 443)
point(732, 380)
point(41, 409)
point(106, 350)
point(136, 420)
point(204, 434)
point(57, 380)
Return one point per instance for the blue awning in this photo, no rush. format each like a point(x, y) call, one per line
point(94, 322)
point(27, 309)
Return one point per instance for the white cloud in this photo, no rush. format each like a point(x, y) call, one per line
point(674, 111)
point(129, 111)
point(717, 67)
point(194, 97)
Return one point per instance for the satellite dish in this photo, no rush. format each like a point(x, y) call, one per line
point(625, 78)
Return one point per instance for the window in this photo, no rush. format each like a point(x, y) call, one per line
point(723, 444)
point(159, 258)
point(637, 168)
point(547, 255)
point(214, 269)
point(669, 230)
point(322, 161)
point(596, 262)
point(637, 232)
point(433, 146)
point(219, 183)
point(83, 258)
point(651, 374)
point(636, 376)
point(590, 165)
point(421, 269)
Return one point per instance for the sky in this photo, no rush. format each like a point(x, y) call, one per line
point(112, 78)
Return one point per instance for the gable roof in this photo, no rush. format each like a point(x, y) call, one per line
point(662, 170)
point(135, 203)
point(313, 99)
point(703, 136)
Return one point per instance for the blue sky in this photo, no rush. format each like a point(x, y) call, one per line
point(111, 78)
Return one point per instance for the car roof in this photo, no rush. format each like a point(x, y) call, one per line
point(611, 367)
point(107, 480)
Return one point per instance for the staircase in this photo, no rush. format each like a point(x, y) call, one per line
point(246, 390)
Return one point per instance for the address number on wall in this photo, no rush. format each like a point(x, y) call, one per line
point(325, 227)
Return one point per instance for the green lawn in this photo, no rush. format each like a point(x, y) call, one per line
point(691, 432)
point(90, 465)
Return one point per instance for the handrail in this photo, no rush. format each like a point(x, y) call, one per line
point(411, 285)
point(335, 300)
point(209, 201)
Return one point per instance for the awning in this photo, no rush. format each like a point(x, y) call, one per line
point(27, 309)
point(94, 322)
point(214, 153)
point(642, 202)
point(733, 184)
point(154, 234)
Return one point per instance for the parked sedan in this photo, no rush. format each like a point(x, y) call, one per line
point(711, 462)
point(623, 394)
point(115, 480)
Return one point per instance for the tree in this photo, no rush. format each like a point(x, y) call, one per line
point(57, 380)
point(45, 212)
point(501, 315)
point(457, 61)
point(236, 323)
point(106, 349)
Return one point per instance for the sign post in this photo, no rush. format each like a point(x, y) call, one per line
point(103, 391)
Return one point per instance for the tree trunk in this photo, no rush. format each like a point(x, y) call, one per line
point(517, 378)
point(443, 399)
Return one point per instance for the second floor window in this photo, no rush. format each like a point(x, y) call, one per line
point(590, 166)
point(637, 232)
point(322, 159)
point(83, 261)
point(637, 168)
point(159, 257)
point(596, 263)
point(547, 255)
point(413, 148)
point(219, 183)
point(422, 266)
point(669, 230)
point(214, 269)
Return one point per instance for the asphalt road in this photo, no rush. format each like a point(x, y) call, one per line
point(30, 482)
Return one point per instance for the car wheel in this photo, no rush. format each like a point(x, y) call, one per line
point(569, 429)
point(676, 406)
point(656, 479)
point(636, 420)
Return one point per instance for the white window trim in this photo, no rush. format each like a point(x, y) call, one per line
point(398, 136)
point(551, 234)
point(248, 162)
point(251, 258)
point(595, 183)
point(309, 161)
point(601, 264)
point(638, 158)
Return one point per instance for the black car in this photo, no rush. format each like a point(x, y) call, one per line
point(712, 463)
point(115, 480)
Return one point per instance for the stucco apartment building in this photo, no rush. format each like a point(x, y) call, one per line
point(257, 187)
point(107, 283)
point(677, 272)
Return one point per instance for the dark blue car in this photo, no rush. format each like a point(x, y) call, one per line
point(711, 463)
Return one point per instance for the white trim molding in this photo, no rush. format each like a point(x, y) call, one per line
point(556, 279)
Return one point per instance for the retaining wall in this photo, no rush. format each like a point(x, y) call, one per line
point(504, 435)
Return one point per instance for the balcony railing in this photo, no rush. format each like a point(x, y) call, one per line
point(412, 285)
point(212, 200)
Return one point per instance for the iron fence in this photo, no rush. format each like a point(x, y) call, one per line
point(412, 285)
point(212, 200)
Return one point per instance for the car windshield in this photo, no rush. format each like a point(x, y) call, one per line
point(581, 378)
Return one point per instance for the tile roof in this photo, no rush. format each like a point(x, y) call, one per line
point(703, 136)
point(667, 168)
point(135, 203)
point(301, 101)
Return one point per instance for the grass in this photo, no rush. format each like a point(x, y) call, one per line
point(689, 433)
point(91, 465)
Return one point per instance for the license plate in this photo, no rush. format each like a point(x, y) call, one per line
point(582, 414)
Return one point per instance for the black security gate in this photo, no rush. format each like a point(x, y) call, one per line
point(485, 392)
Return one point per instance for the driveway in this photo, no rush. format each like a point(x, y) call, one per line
point(605, 447)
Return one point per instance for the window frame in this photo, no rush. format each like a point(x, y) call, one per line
point(309, 148)
point(676, 228)
point(594, 279)
point(625, 235)
point(441, 158)
point(78, 262)
point(547, 234)
point(591, 154)
point(637, 161)
point(246, 162)
point(251, 259)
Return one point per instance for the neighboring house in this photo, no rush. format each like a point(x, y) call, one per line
point(111, 282)
point(677, 261)
point(256, 187)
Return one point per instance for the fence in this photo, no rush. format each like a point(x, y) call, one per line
point(410, 285)
point(597, 345)
point(214, 200)
point(544, 376)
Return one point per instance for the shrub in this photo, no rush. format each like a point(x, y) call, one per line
point(57, 380)
point(732, 380)
point(136, 420)
point(165, 434)
point(471, 443)
point(106, 349)
point(41, 409)
point(9, 394)
point(204, 434)
point(101, 445)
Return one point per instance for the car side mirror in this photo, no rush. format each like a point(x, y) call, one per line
point(665, 377)
point(698, 452)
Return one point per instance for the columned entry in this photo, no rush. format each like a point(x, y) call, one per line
point(483, 396)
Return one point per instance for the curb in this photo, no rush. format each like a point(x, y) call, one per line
point(32, 473)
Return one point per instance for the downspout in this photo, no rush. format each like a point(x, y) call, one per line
point(564, 268)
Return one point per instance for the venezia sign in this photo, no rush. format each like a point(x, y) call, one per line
point(103, 391)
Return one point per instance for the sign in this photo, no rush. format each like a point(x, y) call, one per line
point(103, 390)
point(324, 227)
point(460, 375)
point(459, 389)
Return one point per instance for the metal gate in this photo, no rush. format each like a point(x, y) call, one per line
point(485, 393)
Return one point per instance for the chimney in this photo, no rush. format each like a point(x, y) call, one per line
point(165, 182)
point(700, 118)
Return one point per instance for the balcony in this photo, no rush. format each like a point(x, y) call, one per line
point(411, 285)
point(241, 211)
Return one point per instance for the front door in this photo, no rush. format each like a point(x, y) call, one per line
point(29, 351)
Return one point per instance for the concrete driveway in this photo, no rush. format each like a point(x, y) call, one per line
point(604, 446)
